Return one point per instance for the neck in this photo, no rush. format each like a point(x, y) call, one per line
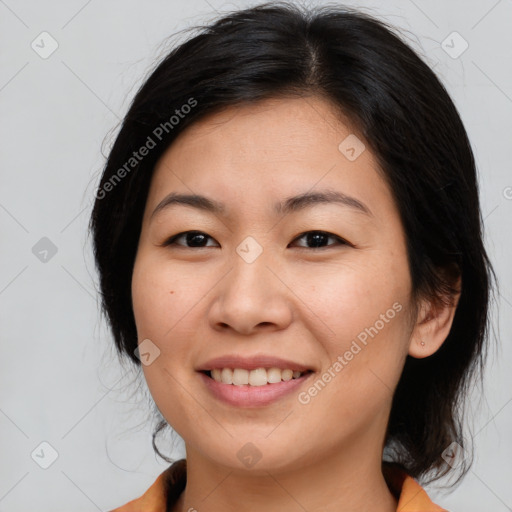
point(348, 479)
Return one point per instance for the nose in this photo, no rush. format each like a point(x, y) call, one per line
point(251, 298)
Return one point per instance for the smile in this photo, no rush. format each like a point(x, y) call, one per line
point(254, 388)
point(256, 377)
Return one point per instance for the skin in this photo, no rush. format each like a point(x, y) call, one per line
point(294, 301)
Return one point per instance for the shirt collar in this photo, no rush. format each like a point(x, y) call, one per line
point(171, 482)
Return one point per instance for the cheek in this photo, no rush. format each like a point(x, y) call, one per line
point(361, 311)
point(162, 300)
point(349, 298)
point(162, 296)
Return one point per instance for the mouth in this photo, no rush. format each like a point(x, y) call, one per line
point(257, 377)
point(253, 382)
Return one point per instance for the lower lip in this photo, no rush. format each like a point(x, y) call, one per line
point(252, 396)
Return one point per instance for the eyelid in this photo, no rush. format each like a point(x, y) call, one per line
point(171, 240)
point(341, 241)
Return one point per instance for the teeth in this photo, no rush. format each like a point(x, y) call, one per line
point(287, 374)
point(273, 375)
point(257, 377)
point(240, 377)
point(217, 375)
point(226, 376)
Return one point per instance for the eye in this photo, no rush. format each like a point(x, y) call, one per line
point(194, 238)
point(199, 239)
point(318, 239)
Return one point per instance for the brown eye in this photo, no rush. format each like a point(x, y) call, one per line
point(191, 239)
point(199, 239)
point(319, 239)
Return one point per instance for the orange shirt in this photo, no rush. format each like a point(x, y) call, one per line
point(410, 495)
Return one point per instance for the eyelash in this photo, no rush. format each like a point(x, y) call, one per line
point(172, 239)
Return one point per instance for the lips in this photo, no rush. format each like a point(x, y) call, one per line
point(252, 363)
point(252, 381)
point(248, 396)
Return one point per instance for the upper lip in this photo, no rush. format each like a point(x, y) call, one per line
point(251, 363)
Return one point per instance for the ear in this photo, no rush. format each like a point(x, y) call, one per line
point(433, 324)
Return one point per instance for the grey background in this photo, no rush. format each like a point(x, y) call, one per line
point(60, 381)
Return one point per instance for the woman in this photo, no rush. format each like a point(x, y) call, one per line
point(289, 243)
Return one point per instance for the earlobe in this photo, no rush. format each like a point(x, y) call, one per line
point(433, 325)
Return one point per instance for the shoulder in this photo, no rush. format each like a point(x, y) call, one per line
point(410, 494)
point(164, 491)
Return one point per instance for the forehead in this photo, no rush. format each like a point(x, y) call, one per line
point(283, 128)
point(275, 147)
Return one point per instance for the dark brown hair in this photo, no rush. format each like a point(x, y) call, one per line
point(406, 116)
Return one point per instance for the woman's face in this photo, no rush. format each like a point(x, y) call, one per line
point(253, 291)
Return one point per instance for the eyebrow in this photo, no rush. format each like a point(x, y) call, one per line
point(289, 205)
